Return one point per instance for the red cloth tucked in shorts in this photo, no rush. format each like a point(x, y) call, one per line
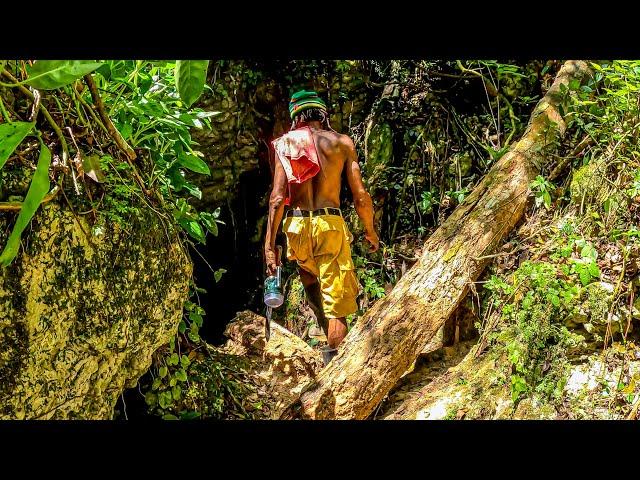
point(298, 155)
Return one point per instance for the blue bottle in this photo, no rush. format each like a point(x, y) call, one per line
point(273, 296)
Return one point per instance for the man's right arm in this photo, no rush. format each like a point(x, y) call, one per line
point(361, 199)
point(276, 210)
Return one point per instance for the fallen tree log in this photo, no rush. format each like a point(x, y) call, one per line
point(385, 342)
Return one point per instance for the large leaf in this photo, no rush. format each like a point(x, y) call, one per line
point(193, 228)
point(209, 221)
point(11, 134)
point(190, 77)
point(37, 191)
point(194, 164)
point(50, 74)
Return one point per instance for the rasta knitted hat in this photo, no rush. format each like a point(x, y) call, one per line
point(303, 100)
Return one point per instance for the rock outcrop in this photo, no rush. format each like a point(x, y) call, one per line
point(82, 310)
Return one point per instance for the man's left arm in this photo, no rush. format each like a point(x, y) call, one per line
point(276, 210)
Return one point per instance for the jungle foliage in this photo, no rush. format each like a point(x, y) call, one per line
point(575, 293)
point(115, 136)
point(143, 106)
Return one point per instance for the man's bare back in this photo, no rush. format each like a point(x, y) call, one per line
point(323, 190)
point(336, 152)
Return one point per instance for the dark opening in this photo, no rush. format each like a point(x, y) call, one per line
point(237, 249)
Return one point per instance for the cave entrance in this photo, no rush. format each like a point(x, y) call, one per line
point(237, 249)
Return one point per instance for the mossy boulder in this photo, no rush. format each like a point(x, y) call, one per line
point(593, 315)
point(379, 148)
point(587, 186)
point(82, 310)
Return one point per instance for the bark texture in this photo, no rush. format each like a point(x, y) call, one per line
point(383, 345)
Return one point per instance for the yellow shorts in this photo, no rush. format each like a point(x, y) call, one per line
point(321, 246)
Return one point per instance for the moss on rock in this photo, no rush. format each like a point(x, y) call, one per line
point(83, 313)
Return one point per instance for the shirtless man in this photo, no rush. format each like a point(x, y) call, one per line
point(317, 237)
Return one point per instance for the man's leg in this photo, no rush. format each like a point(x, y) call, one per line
point(314, 297)
point(337, 331)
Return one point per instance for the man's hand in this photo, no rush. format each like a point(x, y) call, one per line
point(373, 239)
point(271, 261)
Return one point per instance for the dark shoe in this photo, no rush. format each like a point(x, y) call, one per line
point(328, 354)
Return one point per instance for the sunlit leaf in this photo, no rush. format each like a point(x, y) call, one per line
point(194, 164)
point(51, 74)
point(11, 134)
point(190, 77)
point(193, 228)
point(36, 193)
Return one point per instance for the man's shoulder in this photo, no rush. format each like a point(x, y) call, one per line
point(339, 138)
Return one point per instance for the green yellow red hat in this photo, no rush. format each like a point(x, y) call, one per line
point(304, 100)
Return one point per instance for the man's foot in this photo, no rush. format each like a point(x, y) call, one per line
point(317, 333)
point(327, 354)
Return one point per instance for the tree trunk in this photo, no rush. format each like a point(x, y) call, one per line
point(384, 343)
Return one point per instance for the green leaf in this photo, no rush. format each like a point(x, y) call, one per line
point(189, 415)
point(589, 252)
point(585, 277)
point(181, 375)
point(193, 228)
point(37, 191)
point(92, 169)
point(176, 178)
point(194, 164)
point(182, 327)
point(193, 190)
point(196, 318)
point(162, 400)
point(173, 359)
point(51, 74)
point(105, 71)
point(163, 371)
point(190, 77)
point(125, 130)
point(169, 416)
point(11, 134)
point(218, 274)
point(594, 271)
point(209, 221)
point(176, 391)
point(184, 361)
point(151, 398)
